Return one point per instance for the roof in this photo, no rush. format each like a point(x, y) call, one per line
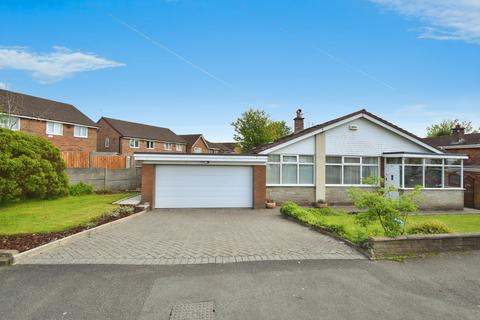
point(143, 131)
point(324, 125)
point(452, 140)
point(191, 138)
point(39, 108)
point(221, 146)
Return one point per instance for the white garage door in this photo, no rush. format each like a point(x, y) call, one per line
point(189, 186)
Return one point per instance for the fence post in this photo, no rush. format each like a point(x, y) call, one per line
point(105, 178)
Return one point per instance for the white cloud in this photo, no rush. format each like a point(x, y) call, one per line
point(53, 66)
point(445, 19)
point(3, 85)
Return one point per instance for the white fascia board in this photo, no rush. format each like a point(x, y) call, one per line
point(429, 156)
point(49, 120)
point(461, 146)
point(204, 159)
point(339, 123)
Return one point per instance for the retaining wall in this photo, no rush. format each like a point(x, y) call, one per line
point(109, 179)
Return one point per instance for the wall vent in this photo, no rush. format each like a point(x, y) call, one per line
point(353, 127)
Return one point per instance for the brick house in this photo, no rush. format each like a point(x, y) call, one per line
point(60, 123)
point(124, 137)
point(196, 143)
point(460, 143)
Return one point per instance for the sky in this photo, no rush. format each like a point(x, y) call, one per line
point(195, 65)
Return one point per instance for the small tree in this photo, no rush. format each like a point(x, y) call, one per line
point(30, 167)
point(254, 128)
point(444, 128)
point(391, 213)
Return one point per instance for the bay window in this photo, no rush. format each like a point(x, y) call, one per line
point(350, 170)
point(290, 170)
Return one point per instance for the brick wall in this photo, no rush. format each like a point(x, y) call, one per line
point(199, 144)
point(106, 131)
point(301, 195)
point(159, 147)
point(259, 186)
point(148, 184)
point(66, 142)
point(473, 153)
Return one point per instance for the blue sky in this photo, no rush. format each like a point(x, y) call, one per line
point(195, 65)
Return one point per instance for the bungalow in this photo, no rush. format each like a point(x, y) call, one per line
point(60, 123)
point(315, 164)
point(125, 137)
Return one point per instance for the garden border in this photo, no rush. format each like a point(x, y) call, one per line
point(22, 255)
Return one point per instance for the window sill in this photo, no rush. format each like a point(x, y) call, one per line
point(290, 185)
point(350, 185)
point(80, 137)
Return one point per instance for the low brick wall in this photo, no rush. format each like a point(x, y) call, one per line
point(411, 245)
point(300, 195)
point(110, 179)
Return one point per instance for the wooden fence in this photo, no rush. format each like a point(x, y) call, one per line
point(79, 159)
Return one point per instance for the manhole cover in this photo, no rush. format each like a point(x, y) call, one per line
point(193, 311)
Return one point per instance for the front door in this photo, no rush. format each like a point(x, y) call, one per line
point(393, 173)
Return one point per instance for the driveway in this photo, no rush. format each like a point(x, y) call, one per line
point(197, 236)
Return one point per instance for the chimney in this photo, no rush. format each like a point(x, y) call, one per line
point(298, 121)
point(458, 132)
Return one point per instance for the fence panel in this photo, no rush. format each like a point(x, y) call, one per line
point(76, 159)
point(79, 159)
point(110, 162)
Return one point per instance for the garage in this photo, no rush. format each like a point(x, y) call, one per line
point(184, 186)
point(203, 181)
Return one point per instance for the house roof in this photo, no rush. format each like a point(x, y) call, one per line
point(39, 108)
point(143, 131)
point(452, 140)
point(325, 125)
point(191, 138)
point(221, 146)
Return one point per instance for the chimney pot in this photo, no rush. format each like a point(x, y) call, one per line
point(298, 121)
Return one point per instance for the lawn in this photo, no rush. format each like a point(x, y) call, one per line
point(41, 216)
point(344, 225)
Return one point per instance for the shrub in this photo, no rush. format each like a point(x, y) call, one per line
point(30, 167)
point(428, 227)
point(80, 189)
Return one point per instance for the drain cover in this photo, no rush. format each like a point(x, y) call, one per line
point(193, 311)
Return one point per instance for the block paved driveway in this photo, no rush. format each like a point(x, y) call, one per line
point(197, 236)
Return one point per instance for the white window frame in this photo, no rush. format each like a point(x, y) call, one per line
point(168, 146)
point(424, 165)
point(197, 150)
point(178, 147)
point(6, 122)
point(53, 133)
point(80, 136)
point(148, 142)
point(360, 164)
point(107, 142)
point(297, 163)
point(134, 143)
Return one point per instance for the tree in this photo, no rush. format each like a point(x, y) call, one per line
point(30, 167)
point(444, 128)
point(10, 103)
point(254, 128)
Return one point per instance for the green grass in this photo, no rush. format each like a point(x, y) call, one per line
point(343, 224)
point(42, 216)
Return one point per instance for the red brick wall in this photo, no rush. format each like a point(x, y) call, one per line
point(199, 144)
point(259, 186)
point(473, 153)
point(148, 184)
point(159, 147)
point(66, 142)
point(106, 131)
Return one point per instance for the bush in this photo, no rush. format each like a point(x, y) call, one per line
point(80, 189)
point(428, 227)
point(30, 167)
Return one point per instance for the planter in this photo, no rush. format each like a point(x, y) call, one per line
point(270, 205)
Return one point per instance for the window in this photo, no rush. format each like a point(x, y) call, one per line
point(12, 123)
point(134, 143)
point(179, 147)
point(290, 169)
point(150, 144)
point(349, 170)
point(80, 132)
point(107, 142)
point(55, 128)
point(197, 150)
point(168, 146)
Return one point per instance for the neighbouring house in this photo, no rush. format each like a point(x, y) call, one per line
point(313, 164)
point(125, 137)
point(196, 143)
point(460, 143)
point(62, 124)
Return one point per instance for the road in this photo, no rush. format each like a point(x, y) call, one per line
point(441, 287)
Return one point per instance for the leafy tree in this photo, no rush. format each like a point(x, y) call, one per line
point(444, 128)
point(254, 128)
point(30, 167)
point(391, 213)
